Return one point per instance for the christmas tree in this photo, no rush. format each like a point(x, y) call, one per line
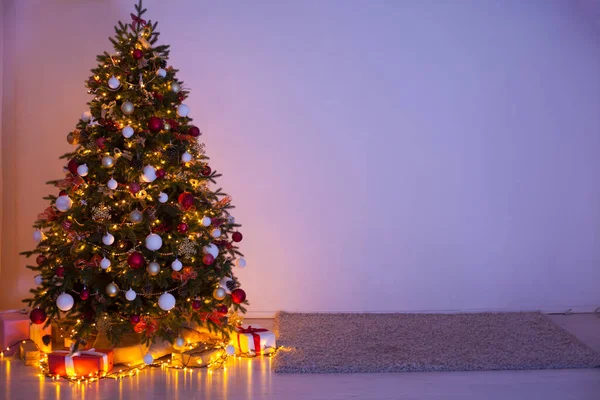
point(135, 239)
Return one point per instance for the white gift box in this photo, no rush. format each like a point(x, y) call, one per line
point(253, 340)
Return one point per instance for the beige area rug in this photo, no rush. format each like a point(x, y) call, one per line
point(349, 343)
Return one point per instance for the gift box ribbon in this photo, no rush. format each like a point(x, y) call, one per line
point(254, 332)
point(70, 365)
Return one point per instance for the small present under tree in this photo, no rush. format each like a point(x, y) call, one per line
point(134, 238)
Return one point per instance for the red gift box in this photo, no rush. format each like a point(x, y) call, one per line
point(91, 362)
point(14, 327)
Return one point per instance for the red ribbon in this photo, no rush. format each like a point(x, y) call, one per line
point(94, 262)
point(48, 215)
point(255, 337)
point(138, 21)
point(185, 275)
point(147, 324)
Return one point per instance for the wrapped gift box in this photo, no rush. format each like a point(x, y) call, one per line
point(195, 358)
point(253, 340)
point(29, 353)
point(87, 362)
point(37, 332)
point(14, 326)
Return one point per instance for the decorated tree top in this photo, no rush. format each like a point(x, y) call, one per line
point(135, 239)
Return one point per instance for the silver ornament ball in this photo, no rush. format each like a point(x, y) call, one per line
point(153, 268)
point(219, 293)
point(175, 87)
point(112, 290)
point(108, 162)
point(179, 343)
point(127, 108)
point(136, 216)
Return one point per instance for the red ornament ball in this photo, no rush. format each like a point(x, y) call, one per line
point(222, 309)
point(101, 143)
point(194, 131)
point(72, 166)
point(206, 171)
point(196, 304)
point(236, 237)
point(136, 260)
point(84, 294)
point(40, 259)
point(138, 54)
point(186, 200)
point(134, 187)
point(182, 228)
point(37, 316)
point(62, 193)
point(155, 124)
point(238, 296)
point(134, 319)
point(60, 271)
point(160, 173)
point(208, 259)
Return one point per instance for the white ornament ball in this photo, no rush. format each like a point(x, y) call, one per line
point(65, 302)
point(230, 350)
point(112, 184)
point(175, 87)
point(114, 83)
point(148, 359)
point(38, 280)
point(183, 110)
point(136, 216)
point(82, 170)
point(149, 174)
point(179, 343)
point(127, 108)
point(108, 162)
point(105, 263)
point(240, 263)
point(219, 293)
point(108, 239)
point(63, 203)
point(216, 232)
point(130, 295)
point(161, 73)
point(38, 235)
point(127, 132)
point(153, 242)
point(223, 283)
point(166, 301)
point(86, 116)
point(176, 265)
point(186, 157)
point(153, 268)
point(206, 221)
point(163, 197)
point(211, 249)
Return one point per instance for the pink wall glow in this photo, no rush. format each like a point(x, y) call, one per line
point(382, 155)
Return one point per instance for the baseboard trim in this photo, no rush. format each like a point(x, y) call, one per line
point(546, 310)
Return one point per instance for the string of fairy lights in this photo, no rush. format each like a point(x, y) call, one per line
point(192, 356)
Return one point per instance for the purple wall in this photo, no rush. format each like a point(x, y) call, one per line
point(382, 155)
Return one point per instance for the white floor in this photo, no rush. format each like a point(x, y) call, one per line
point(253, 379)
